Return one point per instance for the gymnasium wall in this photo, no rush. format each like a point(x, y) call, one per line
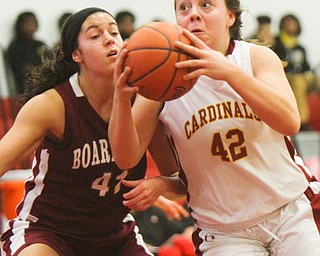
point(48, 12)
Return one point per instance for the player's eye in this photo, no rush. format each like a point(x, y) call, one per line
point(183, 7)
point(95, 36)
point(113, 30)
point(206, 4)
point(114, 33)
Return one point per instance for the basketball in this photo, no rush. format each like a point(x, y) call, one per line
point(152, 57)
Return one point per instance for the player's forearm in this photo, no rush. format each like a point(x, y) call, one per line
point(123, 136)
point(173, 188)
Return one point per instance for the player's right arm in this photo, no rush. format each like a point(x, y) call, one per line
point(146, 192)
point(130, 128)
point(38, 117)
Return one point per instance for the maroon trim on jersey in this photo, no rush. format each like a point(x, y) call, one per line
point(290, 147)
point(232, 45)
point(293, 153)
point(315, 204)
point(310, 194)
point(197, 241)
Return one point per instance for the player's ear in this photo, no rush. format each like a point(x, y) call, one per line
point(76, 56)
point(231, 18)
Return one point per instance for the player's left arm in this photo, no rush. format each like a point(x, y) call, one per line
point(274, 101)
point(163, 152)
point(267, 91)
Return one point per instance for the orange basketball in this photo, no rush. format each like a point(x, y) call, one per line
point(152, 57)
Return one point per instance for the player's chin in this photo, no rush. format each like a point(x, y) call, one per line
point(111, 64)
point(107, 70)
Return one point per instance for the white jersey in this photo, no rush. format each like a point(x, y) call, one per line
point(238, 170)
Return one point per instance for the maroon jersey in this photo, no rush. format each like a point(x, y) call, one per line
point(76, 189)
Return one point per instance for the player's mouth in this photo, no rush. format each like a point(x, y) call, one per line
point(113, 53)
point(196, 31)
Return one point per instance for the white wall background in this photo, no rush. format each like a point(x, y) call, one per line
point(48, 12)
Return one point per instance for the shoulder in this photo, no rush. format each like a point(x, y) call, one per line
point(49, 98)
point(263, 56)
point(46, 109)
point(257, 49)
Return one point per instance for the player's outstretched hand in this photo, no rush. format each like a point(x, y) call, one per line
point(143, 194)
point(172, 208)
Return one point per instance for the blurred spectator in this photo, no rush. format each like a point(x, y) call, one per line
point(24, 50)
point(157, 229)
point(62, 19)
point(263, 33)
point(297, 67)
point(6, 78)
point(126, 23)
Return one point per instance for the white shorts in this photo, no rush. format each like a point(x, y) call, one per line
point(292, 232)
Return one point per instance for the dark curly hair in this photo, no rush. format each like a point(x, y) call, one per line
point(54, 70)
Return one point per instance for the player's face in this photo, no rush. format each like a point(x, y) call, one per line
point(99, 43)
point(209, 20)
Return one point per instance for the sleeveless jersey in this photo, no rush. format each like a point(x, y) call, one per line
point(76, 186)
point(236, 168)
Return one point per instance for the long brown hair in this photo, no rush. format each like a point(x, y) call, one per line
point(235, 29)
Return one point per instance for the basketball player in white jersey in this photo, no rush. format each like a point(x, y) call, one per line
point(244, 189)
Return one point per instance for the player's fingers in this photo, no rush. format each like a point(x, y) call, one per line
point(121, 73)
point(194, 40)
point(182, 211)
point(131, 183)
point(130, 200)
point(195, 74)
point(139, 191)
point(134, 192)
point(176, 211)
point(120, 62)
point(194, 64)
point(138, 203)
point(189, 49)
point(123, 76)
point(173, 215)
